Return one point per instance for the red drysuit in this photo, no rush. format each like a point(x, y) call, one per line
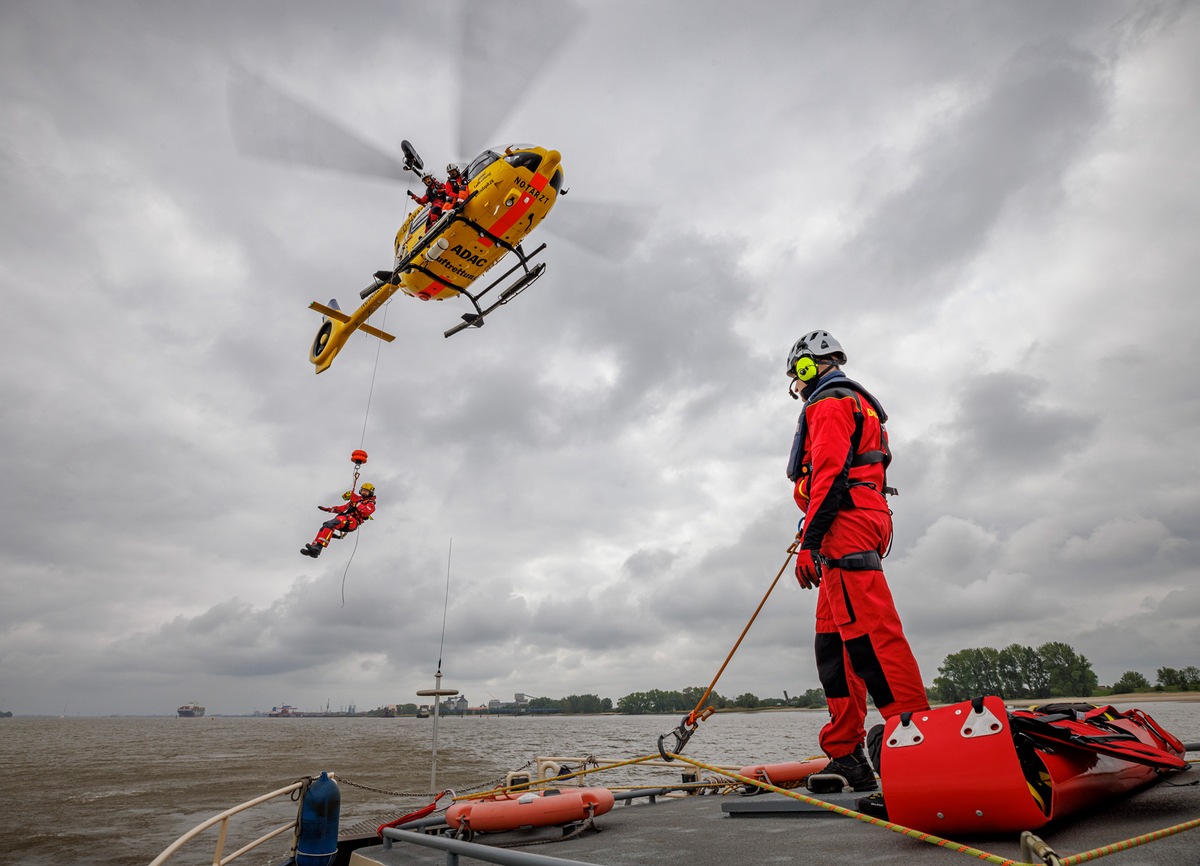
point(860, 643)
point(346, 518)
point(436, 197)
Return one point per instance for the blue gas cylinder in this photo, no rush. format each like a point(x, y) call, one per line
point(316, 844)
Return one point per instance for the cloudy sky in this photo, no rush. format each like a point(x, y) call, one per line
point(993, 206)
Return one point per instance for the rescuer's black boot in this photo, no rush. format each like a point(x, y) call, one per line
point(854, 768)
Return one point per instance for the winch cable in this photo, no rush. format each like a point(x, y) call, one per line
point(362, 443)
point(693, 719)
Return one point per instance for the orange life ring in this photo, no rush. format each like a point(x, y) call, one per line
point(786, 775)
point(531, 809)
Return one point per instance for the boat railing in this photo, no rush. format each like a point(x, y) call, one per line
point(455, 848)
point(222, 821)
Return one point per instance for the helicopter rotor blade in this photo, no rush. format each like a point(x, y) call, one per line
point(269, 124)
point(497, 72)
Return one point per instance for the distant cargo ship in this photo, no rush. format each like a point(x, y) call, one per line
point(285, 712)
point(190, 711)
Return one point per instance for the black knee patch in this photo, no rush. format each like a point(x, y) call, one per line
point(831, 666)
point(866, 665)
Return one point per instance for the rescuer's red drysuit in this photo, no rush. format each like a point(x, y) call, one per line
point(839, 478)
point(438, 199)
point(346, 517)
point(456, 188)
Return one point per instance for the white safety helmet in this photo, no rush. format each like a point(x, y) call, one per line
point(815, 344)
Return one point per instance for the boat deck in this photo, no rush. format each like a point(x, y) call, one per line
point(772, 828)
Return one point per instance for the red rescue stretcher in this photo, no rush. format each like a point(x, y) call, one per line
point(977, 767)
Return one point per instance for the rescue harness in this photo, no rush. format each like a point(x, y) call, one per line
point(837, 384)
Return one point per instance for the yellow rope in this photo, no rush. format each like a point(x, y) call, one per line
point(866, 819)
point(929, 838)
point(1097, 853)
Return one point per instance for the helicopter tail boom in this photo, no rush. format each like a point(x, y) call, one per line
point(339, 316)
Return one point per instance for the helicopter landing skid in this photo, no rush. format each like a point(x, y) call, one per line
point(520, 284)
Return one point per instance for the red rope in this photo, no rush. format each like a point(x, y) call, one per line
point(411, 816)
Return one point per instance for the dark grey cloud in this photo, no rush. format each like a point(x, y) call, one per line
point(992, 207)
point(1003, 425)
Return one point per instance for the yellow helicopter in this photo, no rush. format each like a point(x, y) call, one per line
point(509, 191)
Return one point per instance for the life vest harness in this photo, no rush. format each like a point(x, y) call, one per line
point(839, 385)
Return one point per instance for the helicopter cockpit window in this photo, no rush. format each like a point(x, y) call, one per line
point(481, 162)
point(524, 159)
point(556, 180)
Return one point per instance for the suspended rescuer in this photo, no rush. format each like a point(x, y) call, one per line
point(347, 517)
point(838, 462)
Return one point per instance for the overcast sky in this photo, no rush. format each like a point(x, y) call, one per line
point(993, 206)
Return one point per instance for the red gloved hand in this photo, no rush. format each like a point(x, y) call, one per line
point(808, 568)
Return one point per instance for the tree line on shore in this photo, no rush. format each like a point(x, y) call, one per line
point(1051, 670)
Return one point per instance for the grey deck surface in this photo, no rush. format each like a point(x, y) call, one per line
point(699, 831)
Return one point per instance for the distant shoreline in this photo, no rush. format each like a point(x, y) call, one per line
point(1124, 698)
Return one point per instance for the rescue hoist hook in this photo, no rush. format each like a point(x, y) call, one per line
point(358, 458)
point(692, 720)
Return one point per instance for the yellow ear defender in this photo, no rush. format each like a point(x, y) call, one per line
point(806, 368)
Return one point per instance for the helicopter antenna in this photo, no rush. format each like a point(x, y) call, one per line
point(437, 692)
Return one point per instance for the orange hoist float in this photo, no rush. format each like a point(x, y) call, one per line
point(977, 768)
point(790, 774)
point(531, 809)
point(359, 457)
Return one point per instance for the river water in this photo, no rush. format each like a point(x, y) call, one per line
point(116, 791)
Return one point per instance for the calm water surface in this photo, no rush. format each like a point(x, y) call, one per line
point(118, 791)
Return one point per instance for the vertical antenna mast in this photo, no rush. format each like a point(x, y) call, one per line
point(437, 691)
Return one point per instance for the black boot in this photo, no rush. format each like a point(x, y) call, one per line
point(855, 769)
point(312, 550)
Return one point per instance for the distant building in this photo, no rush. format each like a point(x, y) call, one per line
point(517, 706)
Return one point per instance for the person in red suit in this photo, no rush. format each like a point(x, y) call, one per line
point(435, 196)
point(456, 184)
point(357, 508)
point(838, 465)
